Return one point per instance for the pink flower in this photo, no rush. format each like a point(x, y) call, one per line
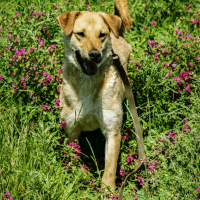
point(153, 23)
point(140, 180)
point(184, 121)
point(88, 5)
point(101, 2)
point(176, 31)
point(17, 13)
point(187, 88)
point(75, 146)
point(122, 173)
point(186, 128)
point(1, 76)
point(171, 134)
point(191, 64)
point(156, 56)
point(189, 7)
point(57, 103)
point(57, 6)
point(129, 159)
point(147, 6)
point(156, 162)
point(174, 64)
point(6, 195)
point(34, 67)
point(198, 190)
point(13, 74)
point(9, 36)
point(84, 167)
point(63, 123)
point(23, 79)
point(45, 107)
point(144, 27)
point(168, 74)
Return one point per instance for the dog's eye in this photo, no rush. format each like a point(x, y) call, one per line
point(80, 34)
point(102, 35)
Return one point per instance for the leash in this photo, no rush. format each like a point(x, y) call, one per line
point(130, 97)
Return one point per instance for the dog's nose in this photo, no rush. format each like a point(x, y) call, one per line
point(94, 55)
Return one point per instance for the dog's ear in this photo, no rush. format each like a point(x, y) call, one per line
point(67, 20)
point(114, 22)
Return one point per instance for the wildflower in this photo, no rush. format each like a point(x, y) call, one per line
point(59, 71)
point(168, 74)
point(16, 40)
point(177, 31)
point(153, 23)
point(88, 5)
point(23, 79)
point(198, 190)
point(187, 88)
point(84, 167)
point(139, 179)
point(191, 64)
point(171, 134)
point(17, 13)
point(1, 76)
point(101, 2)
point(174, 64)
point(190, 6)
point(122, 173)
point(147, 6)
point(186, 128)
point(156, 56)
point(57, 103)
point(184, 121)
point(6, 195)
point(129, 159)
point(9, 36)
point(13, 74)
point(57, 6)
point(63, 123)
point(156, 162)
point(58, 90)
point(45, 107)
point(144, 27)
point(75, 146)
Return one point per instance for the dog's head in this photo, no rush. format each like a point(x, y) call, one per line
point(89, 35)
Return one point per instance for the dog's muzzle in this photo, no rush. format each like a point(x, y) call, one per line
point(89, 67)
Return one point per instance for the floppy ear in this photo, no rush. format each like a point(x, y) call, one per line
point(67, 20)
point(114, 22)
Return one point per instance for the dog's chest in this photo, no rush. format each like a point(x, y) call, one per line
point(89, 98)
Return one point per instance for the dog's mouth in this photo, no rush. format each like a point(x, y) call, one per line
point(88, 67)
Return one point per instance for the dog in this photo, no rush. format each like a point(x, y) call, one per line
point(92, 91)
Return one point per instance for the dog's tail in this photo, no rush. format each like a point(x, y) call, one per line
point(121, 9)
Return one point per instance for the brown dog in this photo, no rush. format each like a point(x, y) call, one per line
point(92, 86)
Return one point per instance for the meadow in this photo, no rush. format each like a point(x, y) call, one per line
point(36, 161)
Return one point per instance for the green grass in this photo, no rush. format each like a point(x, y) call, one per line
point(35, 159)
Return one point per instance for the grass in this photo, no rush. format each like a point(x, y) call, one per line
point(36, 161)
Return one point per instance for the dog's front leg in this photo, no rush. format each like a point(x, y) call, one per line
point(111, 155)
